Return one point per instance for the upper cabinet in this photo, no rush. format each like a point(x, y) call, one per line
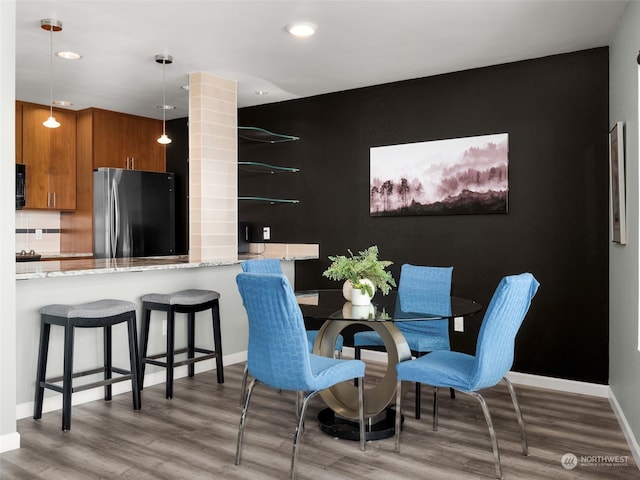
point(126, 141)
point(49, 155)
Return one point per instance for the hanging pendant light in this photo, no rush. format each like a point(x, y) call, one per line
point(52, 26)
point(164, 59)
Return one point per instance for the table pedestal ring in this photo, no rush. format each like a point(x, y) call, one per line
point(342, 399)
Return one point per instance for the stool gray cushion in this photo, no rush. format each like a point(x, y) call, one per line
point(184, 297)
point(97, 309)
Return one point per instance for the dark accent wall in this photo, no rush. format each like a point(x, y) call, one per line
point(555, 110)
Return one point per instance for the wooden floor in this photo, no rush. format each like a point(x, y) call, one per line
point(193, 436)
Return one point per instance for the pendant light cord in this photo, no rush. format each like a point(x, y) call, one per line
point(164, 96)
point(51, 70)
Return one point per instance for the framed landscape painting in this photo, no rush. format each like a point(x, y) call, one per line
point(444, 177)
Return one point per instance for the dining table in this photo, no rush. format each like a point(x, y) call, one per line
point(382, 316)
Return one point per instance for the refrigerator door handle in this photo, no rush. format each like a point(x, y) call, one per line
point(114, 217)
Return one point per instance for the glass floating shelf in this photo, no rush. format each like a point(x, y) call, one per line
point(271, 201)
point(259, 167)
point(257, 134)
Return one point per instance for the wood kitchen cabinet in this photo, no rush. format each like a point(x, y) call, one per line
point(107, 139)
point(127, 141)
point(49, 155)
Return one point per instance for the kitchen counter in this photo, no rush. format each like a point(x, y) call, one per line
point(96, 266)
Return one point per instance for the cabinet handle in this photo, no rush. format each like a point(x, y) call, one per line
point(127, 163)
point(133, 163)
point(54, 199)
point(48, 199)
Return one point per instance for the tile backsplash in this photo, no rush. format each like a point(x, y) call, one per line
point(38, 231)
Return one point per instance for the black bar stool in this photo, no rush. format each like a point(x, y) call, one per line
point(189, 302)
point(102, 313)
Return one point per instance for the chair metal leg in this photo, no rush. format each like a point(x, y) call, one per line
point(242, 420)
point(516, 406)
point(492, 432)
point(243, 388)
point(191, 342)
point(299, 429)
point(417, 401)
point(398, 414)
point(435, 409)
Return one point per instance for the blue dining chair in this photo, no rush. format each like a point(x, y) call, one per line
point(417, 285)
point(272, 265)
point(275, 317)
point(493, 358)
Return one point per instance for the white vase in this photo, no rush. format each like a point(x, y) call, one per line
point(360, 297)
point(346, 290)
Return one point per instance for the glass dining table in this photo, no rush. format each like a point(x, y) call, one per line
point(329, 306)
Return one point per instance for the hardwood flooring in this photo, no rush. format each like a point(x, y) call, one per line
point(193, 437)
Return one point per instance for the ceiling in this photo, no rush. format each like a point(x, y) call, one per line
point(357, 43)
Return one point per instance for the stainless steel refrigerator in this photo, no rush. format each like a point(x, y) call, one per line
point(133, 213)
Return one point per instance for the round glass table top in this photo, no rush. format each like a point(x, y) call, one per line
point(331, 305)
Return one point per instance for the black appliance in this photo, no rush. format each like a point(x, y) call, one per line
point(20, 185)
point(244, 237)
point(133, 213)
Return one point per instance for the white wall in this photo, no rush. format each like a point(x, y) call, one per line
point(9, 438)
point(624, 357)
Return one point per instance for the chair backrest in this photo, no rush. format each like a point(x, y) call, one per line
point(425, 289)
point(496, 340)
point(262, 265)
point(278, 351)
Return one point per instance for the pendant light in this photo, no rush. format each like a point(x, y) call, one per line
point(52, 26)
point(164, 59)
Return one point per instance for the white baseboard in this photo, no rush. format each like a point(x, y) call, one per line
point(9, 441)
point(562, 385)
point(626, 428)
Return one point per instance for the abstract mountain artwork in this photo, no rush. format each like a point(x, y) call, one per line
point(443, 177)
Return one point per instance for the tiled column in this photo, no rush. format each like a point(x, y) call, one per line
point(213, 168)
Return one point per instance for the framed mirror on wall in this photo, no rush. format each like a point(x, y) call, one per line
point(617, 184)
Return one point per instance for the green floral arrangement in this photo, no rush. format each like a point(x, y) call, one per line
point(365, 265)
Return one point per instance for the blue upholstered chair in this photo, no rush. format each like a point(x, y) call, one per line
point(493, 359)
point(275, 318)
point(272, 265)
point(418, 285)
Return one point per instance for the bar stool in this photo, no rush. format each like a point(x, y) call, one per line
point(189, 302)
point(102, 313)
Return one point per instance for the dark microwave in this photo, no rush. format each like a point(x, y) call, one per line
point(20, 185)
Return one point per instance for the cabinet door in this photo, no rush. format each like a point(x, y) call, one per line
point(62, 171)
point(36, 155)
point(142, 142)
point(109, 139)
point(50, 158)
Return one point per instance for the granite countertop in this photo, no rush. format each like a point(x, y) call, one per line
point(69, 266)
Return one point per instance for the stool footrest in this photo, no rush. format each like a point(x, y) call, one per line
point(207, 354)
point(126, 375)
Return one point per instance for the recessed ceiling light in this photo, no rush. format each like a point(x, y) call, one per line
point(185, 87)
point(261, 92)
point(69, 55)
point(62, 103)
point(166, 107)
point(302, 29)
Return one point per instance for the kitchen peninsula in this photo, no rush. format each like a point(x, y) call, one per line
point(84, 280)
